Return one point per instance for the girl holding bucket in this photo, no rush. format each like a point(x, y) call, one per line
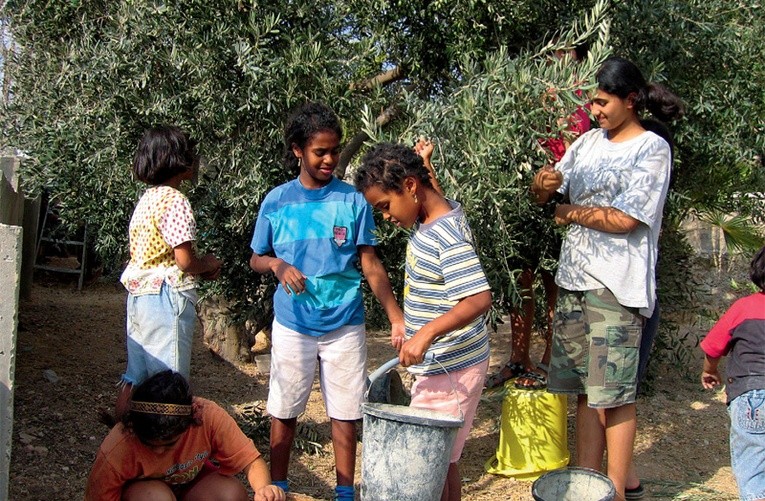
point(616, 178)
point(446, 292)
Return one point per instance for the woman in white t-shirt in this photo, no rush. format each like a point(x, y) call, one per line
point(615, 179)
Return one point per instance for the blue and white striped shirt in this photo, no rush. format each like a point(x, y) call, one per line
point(442, 267)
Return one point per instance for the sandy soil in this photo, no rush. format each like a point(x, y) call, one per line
point(70, 354)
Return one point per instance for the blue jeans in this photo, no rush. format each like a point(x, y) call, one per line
point(650, 328)
point(160, 329)
point(747, 443)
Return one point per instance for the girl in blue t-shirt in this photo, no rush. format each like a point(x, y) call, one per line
point(446, 293)
point(313, 233)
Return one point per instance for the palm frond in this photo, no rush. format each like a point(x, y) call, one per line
point(739, 231)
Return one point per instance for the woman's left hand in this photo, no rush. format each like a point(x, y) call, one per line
point(562, 214)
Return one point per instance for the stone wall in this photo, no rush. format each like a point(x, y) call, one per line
point(11, 243)
point(18, 228)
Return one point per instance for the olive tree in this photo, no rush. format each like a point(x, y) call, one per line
point(89, 77)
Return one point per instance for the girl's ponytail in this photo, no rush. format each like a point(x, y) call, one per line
point(622, 78)
point(663, 103)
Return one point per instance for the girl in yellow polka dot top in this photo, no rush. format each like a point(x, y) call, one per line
point(162, 275)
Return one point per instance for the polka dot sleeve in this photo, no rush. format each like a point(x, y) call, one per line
point(177, 224)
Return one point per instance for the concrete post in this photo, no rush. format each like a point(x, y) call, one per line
point(11, 198)
point(11, 238)
point(17, 210)
point(30, 221)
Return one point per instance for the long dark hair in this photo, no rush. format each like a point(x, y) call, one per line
point(303, 123)
point(166, 387)
point(621, 77)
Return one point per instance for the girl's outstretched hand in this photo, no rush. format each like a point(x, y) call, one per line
point(710, 379)
point(424, 148)
point(270, 493)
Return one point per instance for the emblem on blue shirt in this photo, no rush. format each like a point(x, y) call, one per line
point(341, 233)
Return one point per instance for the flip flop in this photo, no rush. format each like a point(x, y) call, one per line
point(498, 379)
point(635, 493)
point(534, 381)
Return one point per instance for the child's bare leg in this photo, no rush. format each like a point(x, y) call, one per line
point(590, 435)
point(216, 487)
point(282, 436)
point(551, 297)
point(344, 443)
point(123, 400)
point(621, 425)
point(453, 486)
point(147, 490)
point(521, 321)
point(633, 481)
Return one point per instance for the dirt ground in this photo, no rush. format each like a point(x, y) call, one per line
point(70, 353)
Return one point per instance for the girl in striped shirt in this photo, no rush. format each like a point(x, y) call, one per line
point(446, 293)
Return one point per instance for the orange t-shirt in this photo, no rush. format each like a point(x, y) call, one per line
point(122, 457)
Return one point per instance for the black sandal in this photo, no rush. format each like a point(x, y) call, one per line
point(534, 381)
point(498, 379)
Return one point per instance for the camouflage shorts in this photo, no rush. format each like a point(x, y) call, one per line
point(595, 350)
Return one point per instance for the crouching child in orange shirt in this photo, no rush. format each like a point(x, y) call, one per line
point(163, 448)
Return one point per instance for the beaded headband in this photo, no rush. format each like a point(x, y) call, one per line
point(161, 408)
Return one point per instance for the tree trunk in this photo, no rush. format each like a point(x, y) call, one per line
point(234, 342)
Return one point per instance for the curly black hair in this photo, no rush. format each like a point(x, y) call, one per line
point(303, 123)
point(387, 165)
point(757, 269)
point(166, 387)
point(163, 153)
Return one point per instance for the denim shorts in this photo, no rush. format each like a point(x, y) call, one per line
point(160, 329)
point(747, 443)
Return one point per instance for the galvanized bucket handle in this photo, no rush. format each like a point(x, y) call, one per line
point(429, 358)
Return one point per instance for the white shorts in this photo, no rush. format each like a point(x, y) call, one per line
point(342, 357)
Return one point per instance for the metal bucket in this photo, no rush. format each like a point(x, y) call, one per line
point(573, 484)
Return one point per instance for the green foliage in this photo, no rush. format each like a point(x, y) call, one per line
point(434, 40)
point(89, 77)
point(711, 54)
point(489, 131)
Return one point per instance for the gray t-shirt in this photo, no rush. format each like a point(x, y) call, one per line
point(632, 176)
